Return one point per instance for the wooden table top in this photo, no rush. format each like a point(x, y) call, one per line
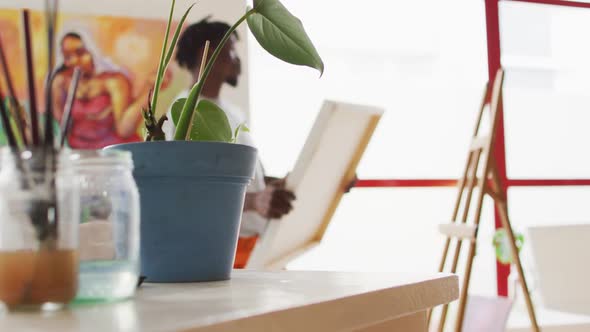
point(254, 301)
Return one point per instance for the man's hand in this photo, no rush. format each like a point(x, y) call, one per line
point(273, 202)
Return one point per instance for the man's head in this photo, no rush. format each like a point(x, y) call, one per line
point(76, 54)
point(191, 44)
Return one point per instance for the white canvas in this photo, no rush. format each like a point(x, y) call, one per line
point(324, 168)
point(561, 254)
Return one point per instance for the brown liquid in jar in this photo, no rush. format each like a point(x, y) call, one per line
point(38, 277)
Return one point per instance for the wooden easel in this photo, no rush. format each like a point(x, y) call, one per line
point(487, 182)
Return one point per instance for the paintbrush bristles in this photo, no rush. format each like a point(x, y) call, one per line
point(30, 71)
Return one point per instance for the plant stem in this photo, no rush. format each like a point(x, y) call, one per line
point(201, 69)
point(204, 58)
point(193, 97)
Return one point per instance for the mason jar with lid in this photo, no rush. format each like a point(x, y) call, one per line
point(109, 225)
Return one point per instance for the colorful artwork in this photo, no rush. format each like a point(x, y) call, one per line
point(118, 58)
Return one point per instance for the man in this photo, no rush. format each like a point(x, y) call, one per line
point(266, 197)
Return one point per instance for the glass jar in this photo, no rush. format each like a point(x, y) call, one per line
point(109, 225)
point(39, 213)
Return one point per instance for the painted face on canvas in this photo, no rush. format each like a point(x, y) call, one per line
point(76, 55)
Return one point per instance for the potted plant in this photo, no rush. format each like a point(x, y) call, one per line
point(192, 188)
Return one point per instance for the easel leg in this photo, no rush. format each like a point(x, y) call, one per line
point(501, 205)
point(440, 269)
point(445, 308)
point(465, 288)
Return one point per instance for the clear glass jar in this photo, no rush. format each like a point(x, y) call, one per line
point(38, 231)
point(109, 225)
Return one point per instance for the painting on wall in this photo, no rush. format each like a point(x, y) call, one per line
point(118, 59)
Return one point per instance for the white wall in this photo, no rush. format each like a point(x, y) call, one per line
point(223, 10)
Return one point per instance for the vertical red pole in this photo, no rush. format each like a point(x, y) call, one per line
point(494, 54)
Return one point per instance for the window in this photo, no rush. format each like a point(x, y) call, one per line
point(547, 94)
point(428, 71)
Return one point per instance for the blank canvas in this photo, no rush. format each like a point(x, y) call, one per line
point(326, 165)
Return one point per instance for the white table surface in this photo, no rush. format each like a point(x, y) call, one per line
point(254, 301)
point(549, 321)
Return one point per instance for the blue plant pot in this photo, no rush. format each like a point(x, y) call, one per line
point(192, 196)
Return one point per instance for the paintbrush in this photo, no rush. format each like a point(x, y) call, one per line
point(66, 120)
point(6, 123)
point(30, 70)
point(50, 16)
point(47, 211)
point(16, 110)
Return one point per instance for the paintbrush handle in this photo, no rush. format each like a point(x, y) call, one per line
point(67, 114)
point(6, 123)
point(30, 70)
point(50, 14)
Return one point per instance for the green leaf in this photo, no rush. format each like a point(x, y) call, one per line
point(193, 96)
point(162, 57)
point(176, 110)
point(164, 61)
point(282, 34)
point(501, 243)
point(241, 128)
point(210, 124)
point(175, 38)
